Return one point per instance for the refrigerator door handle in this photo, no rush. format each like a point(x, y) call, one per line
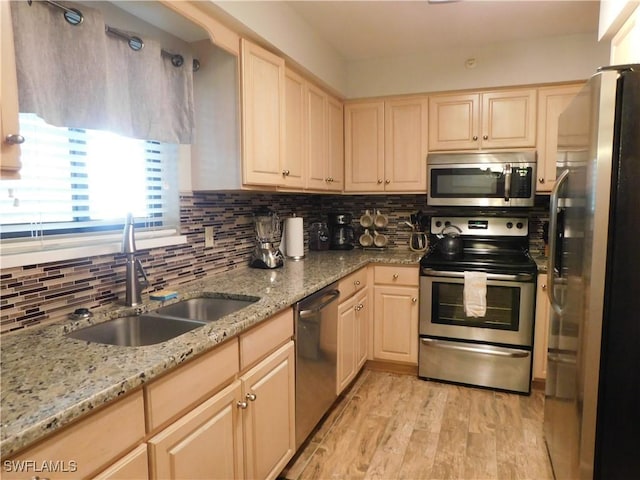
point(553, 238)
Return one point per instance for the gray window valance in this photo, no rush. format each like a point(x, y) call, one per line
point(79, 76)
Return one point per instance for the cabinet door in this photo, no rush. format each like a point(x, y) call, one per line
point(395, 335)
point(335, 144)
point(364, 147)
point(262, 115)
point(317, 161)
point(541, 339)
point(551, 102)
point(453, 122)
point(295, 127)
point(9, 153)
point(363, 319)
point(205, 443)
point(405, 139)
point(269, 416)
point(347, 338)
point(509, 119)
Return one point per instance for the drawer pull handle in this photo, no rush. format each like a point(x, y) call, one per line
point(395, 276)
point(414, 299)
point(242, 405)
point(356, 283)
point(251, 397)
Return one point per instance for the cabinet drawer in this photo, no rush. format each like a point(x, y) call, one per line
point(396, 275)
point(89, 445)
point(264, 338)
point(133, 465)
point(190, 383)
point(352, 283)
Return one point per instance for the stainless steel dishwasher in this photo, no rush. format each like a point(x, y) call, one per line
point(316, 336)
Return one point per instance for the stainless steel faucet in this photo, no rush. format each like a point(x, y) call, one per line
point(133, 295)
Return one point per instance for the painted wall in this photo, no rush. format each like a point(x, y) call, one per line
point(286, 31)
point(613, 13)
point(555, 59)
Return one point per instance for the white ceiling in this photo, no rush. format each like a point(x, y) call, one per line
point(377, 29)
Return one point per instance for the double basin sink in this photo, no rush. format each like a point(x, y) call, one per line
point(163, 324)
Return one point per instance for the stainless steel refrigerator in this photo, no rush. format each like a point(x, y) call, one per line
point(592, 401)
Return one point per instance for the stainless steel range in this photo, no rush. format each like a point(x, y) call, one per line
point(489, 345)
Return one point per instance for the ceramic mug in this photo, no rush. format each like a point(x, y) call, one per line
point(380, 240)
point(366, 220)
point(366, 240)
point(380, 220)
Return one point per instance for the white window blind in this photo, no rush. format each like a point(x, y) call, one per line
point(80, 181)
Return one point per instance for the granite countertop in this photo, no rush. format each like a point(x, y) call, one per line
point(49, 380)
point(541, 262)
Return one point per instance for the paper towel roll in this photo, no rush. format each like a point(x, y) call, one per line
point(294, 237)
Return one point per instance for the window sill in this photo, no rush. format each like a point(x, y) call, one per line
point(33, 253)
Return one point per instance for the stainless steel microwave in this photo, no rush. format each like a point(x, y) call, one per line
point(482, 179)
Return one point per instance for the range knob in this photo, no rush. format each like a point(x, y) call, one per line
point(438, 223)
point(509, 225)
point(519, 225)
point(447, 223)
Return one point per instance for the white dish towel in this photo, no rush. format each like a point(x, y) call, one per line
point(475, 294)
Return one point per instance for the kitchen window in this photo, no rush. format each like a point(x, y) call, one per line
point(80, 182)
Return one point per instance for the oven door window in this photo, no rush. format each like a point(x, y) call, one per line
point(503, 307)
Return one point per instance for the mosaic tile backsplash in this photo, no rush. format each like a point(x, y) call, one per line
point(37, 294)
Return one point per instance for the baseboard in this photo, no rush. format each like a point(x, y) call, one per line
point(538, 384)
point(392, 367)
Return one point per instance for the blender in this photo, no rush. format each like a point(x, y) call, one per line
point(266, 255)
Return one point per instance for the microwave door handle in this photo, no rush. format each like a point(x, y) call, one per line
point(507, 182)
point(553, 240)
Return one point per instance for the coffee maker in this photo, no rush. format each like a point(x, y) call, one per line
point(341, 232)
point(265, 254)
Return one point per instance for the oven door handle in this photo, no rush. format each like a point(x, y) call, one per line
point(495, 351)
point(553, 239)
point(517, 277)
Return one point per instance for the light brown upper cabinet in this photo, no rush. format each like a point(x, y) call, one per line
point(314, 136)
point(551, 102)
point(295, 134)
point(483, 120)
point(263, 116)
point(386, 145)
point(325, 157)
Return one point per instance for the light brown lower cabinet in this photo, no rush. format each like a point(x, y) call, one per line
point(541, 339)
point(88, 446)
point(353, 315)
point(269, 416)
point(395, 320)
point(245, 431)
point(205, 443)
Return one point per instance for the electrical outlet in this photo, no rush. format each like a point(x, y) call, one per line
point(209, 241)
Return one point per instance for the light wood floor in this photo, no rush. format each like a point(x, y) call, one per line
point(393, 426)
